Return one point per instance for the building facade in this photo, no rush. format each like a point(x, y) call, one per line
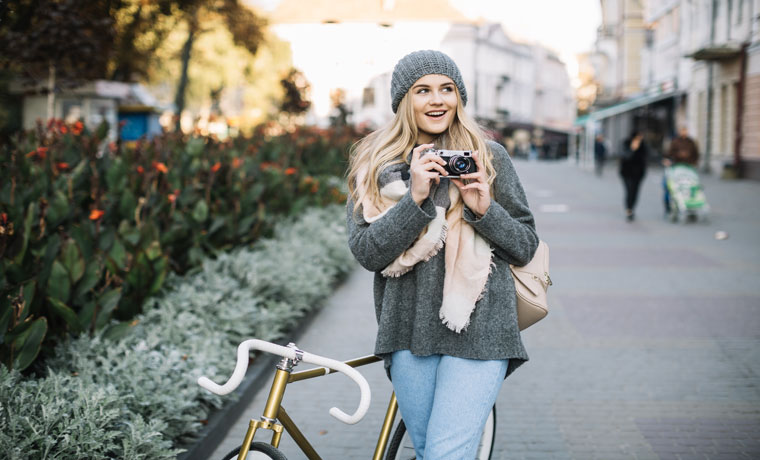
point(511, 86)
point(699, 68)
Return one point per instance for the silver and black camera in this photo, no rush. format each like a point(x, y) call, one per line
point(458, 162)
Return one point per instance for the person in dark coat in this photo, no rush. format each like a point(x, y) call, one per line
point(633, 164)
point(600, 154)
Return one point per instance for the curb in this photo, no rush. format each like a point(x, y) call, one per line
point(220, 421)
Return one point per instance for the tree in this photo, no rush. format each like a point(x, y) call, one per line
point(246, 28)
point(54, 40)
point(295, 101)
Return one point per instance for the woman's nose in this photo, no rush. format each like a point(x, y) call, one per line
point(436, 99)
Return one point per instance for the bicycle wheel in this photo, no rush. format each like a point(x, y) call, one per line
point(401, 447)
point(258, 451)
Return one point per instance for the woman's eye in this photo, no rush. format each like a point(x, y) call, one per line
point(422, 90)
point(448, 89)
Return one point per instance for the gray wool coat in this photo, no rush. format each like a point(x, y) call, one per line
point(407, 307)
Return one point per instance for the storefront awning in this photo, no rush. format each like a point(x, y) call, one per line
point(627, 106)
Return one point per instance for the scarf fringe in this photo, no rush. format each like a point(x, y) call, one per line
point(450, 324)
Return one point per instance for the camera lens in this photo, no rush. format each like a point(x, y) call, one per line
point(460, 164)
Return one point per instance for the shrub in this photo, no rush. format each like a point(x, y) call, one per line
point(89, 231)
point(191, 329)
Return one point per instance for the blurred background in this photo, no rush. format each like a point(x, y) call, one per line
point(545, 76)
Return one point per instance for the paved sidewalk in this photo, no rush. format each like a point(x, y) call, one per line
point(651, 349)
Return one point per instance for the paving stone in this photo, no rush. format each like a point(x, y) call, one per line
point(651, 349)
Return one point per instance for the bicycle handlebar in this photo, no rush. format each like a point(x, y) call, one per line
point(255, 344)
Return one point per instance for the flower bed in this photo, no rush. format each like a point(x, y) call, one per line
point(89, 230)
point(137, 397)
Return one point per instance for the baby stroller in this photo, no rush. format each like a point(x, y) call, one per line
point(687, 199)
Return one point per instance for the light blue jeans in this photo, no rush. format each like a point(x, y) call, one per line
point(445, 401)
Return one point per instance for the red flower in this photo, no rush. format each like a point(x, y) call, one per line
point(216, 167)
point(4, 218)
point(62, 166)
point(96, 214)
point(237, 162)
point(140, 170)
point(78, 127)
point(161, 167)
point(63, 129)
point(173, 196)
point(267, 165)
point(40, 153)
point(290, 171)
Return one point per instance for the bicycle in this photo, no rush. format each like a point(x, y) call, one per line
point(399, 447)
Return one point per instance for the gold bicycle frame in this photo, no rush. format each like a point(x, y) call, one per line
point(274, 411)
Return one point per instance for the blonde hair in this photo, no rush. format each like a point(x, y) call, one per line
point(392, 143)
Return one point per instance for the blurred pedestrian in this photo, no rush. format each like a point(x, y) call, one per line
point(600, 154)
point(447, 322)
point(633, 165)
point(683, 149)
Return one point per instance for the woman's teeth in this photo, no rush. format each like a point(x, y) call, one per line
point(435, 114)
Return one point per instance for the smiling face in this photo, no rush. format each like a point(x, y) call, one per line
point(434, 101)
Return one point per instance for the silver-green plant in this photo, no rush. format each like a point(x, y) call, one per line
point(192, 328)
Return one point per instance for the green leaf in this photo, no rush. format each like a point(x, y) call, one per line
point(85, 240)
point(6, 314)
point(106, 239)
point(59, 285)
point(58, 209)
point(194, 146)
point(131, 236)
point(52, 248)
point(139, 276)
point(160, 269)
point(200, 212)
point(107, 303)
point(71, 257)
point(117, 255)
point(219, 222)
point(127, 205)
point(117, 331)
point(116, 175)
point(29, 344)
point(245, 225)
point(31, 213)
point(65, 312)
point(86, 313)
point(28, 291)
point(153, 251)
point(92, 275)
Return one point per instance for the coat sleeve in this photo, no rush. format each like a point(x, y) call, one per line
point(508, 223)
point(378, 244)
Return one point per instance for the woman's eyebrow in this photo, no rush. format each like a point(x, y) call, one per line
point(421, 85)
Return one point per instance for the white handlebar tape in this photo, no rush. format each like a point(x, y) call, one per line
point(254, 344)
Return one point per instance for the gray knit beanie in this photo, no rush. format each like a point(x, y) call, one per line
point(416, 65)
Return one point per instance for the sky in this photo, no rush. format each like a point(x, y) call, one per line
point(565, 26)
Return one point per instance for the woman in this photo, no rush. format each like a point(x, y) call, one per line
point(633, 165)
point(444, 295)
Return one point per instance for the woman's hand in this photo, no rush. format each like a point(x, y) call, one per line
point(476, 193)
point(424, 169)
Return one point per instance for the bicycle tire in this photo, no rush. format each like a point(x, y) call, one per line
point(401, 448)
point(268, 450)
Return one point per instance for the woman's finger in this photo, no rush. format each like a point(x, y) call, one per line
point(417, 151)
